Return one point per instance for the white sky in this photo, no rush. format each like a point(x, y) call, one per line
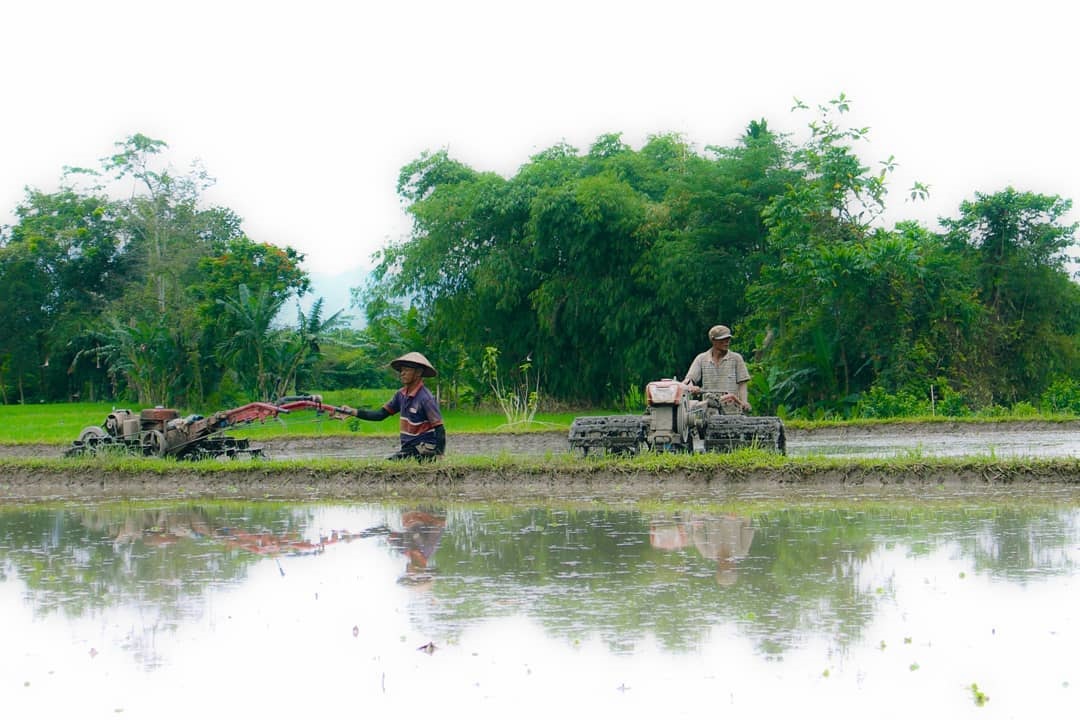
point(306, 111)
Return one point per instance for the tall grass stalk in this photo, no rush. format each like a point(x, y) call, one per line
point(518, 401)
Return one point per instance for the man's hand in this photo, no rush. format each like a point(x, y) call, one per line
point(720, 401)
point(731, 399)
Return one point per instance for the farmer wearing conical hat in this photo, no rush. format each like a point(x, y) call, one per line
point(423, 435)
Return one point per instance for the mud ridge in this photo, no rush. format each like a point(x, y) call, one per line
point(446, 483)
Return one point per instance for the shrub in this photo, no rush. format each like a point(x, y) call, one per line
point(1063, 396)
point(993, 411)
point(880, 403)
point(633, 400)
point(1024, 409)
point(948, 402)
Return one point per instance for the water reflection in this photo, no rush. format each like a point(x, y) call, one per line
point(720, 538)
point(417, 539)
point(157, 584)
point(624, 576)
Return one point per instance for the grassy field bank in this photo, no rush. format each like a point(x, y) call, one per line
point(499, 473)
point(62, 422)
point(666, 477)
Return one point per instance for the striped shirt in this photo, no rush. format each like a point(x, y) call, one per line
point(419, 415)
point(723, 377)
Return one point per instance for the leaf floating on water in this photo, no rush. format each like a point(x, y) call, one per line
point(979, 696)
point(427, 647)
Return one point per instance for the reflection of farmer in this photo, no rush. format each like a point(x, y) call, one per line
point(419, 539)
point(722, 539)
point(667, 534)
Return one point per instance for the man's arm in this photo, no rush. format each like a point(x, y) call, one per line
point(693, 374)
point(743, 380)
point(743, 394)
point(380, 414)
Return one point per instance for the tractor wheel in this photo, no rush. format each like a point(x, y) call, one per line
point(155, 443)
point(89, 440)
point(91, 435)
point(724, 433)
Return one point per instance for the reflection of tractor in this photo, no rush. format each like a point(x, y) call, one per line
point(670, 423)
point(162, 432)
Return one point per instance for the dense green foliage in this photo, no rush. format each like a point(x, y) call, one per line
point(152, 299)
point(586, 274)
point(602, 270)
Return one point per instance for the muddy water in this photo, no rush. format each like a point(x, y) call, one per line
point(948, 441)
point(943, 606)
point(1007, 440)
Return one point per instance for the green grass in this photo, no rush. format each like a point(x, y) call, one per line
point(62, 422)
point(49, 423)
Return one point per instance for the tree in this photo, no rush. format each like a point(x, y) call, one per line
point(59, 268)
point(300, 350)
point(180, 258)
point(810, 299)
point(582, 261)
point(712, 244)
point(586, 237)
point(1019, 243)
point(605, 267)
point(249, 348)
point(142, 357)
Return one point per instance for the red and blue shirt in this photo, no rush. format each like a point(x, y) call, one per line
point(419, 415)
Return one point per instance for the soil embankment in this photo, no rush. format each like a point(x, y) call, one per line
point(536, 478)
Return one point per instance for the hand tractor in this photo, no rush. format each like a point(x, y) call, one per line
point(670, 423)
point(162, 432)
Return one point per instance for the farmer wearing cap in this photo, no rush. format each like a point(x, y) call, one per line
point(721, 373)
point(423, 435)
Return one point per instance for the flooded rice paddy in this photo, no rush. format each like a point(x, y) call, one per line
point(946, 440)
point(935, 606)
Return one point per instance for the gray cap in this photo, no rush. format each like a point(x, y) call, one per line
point(719, 332)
